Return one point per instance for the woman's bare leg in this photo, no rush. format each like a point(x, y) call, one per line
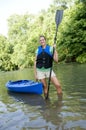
point(44, 86)
point(55, 81)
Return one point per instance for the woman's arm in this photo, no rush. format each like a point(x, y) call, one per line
point(35, 72)
point(55, 57)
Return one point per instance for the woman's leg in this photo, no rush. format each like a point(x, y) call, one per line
point(44, 86)
point(55, 81)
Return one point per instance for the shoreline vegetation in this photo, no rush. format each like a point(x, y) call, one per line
point(17, 50)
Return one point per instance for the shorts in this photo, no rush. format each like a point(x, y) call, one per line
point(44, 74)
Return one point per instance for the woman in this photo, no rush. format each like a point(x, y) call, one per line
point(43, 64)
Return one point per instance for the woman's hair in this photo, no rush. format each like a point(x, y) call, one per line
point(42, 36)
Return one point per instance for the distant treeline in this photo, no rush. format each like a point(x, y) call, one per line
point(17, 50)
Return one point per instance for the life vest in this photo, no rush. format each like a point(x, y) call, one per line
point(44, 57)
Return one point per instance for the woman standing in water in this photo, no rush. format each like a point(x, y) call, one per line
point(43, 64)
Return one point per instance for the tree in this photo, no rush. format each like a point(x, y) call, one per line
point(72, 38)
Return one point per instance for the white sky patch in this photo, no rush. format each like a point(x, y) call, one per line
point(10, 7)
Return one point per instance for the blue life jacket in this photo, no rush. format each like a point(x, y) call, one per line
point(44, 57)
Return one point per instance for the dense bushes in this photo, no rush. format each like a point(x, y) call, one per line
point(18, 49)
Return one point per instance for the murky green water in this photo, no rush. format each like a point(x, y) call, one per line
point(32, 112)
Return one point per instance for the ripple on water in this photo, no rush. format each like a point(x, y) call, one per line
point(75, 124)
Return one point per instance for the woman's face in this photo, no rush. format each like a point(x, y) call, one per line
point(42, 41)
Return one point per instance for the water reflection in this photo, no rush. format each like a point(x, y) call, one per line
point(31, 99)
point(32, 112)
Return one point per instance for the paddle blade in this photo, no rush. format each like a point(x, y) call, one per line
point(58, 17)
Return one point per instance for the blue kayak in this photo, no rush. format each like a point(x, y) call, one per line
point(25, 86)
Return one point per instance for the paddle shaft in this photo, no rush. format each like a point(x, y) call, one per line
point(58, 18)
point(51, 67)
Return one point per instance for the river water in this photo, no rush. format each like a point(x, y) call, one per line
point(33, 112)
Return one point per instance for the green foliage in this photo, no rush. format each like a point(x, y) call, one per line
point(5, 54)
point(72, 38)
point(81, 58)
point(18, 50)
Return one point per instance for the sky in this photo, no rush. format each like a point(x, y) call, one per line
point(10, 7)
